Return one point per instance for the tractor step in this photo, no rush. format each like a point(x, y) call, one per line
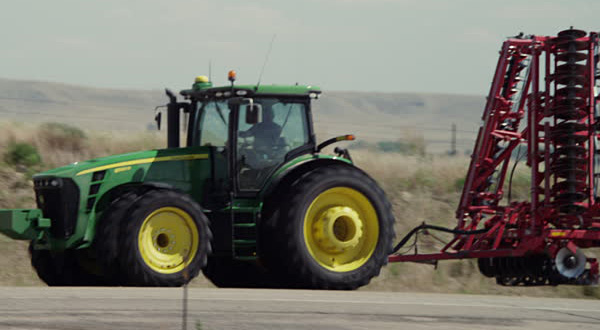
point(244, 241)
point(244, 230)
point(244, 225)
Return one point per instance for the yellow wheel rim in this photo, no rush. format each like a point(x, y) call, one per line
point(341, 229)
point(168, 240)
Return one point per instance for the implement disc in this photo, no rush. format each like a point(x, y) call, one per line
point(571, 57)
point(572, 34)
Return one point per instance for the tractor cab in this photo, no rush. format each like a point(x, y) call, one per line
point(252, 130)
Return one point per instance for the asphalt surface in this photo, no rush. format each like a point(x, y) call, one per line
point(212, 309)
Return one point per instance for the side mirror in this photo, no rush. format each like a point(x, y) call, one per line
point(253, 111)
point(157, 119)
point(253, 114)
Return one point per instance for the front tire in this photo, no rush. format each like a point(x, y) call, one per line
point(106, 242)
point(63, 268)
point(166, 240)
point(336, 229)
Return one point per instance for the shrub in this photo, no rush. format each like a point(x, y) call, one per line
point(22, 153)
point(459, 183)
point(62, 136)
point(590, 291)
point(360, 144)
point(424, 179)
point(411, 146)
point(403, 147)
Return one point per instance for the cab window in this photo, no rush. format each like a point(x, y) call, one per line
point(262, 146)
point(213, 124)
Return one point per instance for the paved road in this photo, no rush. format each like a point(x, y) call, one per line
point(212, 309)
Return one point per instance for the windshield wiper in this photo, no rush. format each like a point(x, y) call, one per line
point(287, 116)
point(220, 113)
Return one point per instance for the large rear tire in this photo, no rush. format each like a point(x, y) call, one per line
point(165, 240)
point(335, 230)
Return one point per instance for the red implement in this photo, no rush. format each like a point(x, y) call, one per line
point(542, 105)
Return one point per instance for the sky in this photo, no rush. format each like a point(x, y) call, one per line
point(436, 46)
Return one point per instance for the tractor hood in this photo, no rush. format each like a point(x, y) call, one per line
point(133, 159)
point(88, 166)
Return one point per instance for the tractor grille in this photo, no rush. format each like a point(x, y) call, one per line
point(58, 198)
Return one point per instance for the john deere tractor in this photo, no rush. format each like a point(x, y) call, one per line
point(250, 201)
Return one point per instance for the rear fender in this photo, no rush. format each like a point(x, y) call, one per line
point(283, 178)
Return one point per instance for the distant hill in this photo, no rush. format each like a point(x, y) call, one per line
point(371, 116)
point(101, 109)
point(390, 116)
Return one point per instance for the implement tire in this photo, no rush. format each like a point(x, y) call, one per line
point(335, 230)
point(165, 240)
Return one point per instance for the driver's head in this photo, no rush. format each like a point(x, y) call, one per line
point(268, 114)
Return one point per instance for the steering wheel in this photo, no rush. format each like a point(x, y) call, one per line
point(247, 155)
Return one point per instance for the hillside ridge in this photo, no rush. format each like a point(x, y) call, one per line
point(372, 116)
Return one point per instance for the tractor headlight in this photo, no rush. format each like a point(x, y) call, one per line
point(48, 182)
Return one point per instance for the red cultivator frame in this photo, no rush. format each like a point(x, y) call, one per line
point(542, 104)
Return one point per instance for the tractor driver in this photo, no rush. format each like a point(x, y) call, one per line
point(266, 150)
point(266, 133)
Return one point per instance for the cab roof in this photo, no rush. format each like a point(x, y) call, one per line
point(251, 90)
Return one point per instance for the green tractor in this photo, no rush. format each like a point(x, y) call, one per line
point(250, 201)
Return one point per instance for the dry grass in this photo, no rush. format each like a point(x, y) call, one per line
point(420, 189)
point(59, 148)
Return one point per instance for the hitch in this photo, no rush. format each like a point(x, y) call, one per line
point(23, 224)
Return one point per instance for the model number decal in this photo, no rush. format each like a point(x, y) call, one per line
point(122, 169)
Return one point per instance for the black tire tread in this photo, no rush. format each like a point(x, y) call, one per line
point(62, 268)
point(291, 257)
point(106, 242)
point(133, 269)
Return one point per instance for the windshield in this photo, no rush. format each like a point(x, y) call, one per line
point(212, 121)
point(287, 118)
point(266, 130)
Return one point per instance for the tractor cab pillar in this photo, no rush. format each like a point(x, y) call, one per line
point(173, 119)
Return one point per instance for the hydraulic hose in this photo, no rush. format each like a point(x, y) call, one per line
point(438, 228)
